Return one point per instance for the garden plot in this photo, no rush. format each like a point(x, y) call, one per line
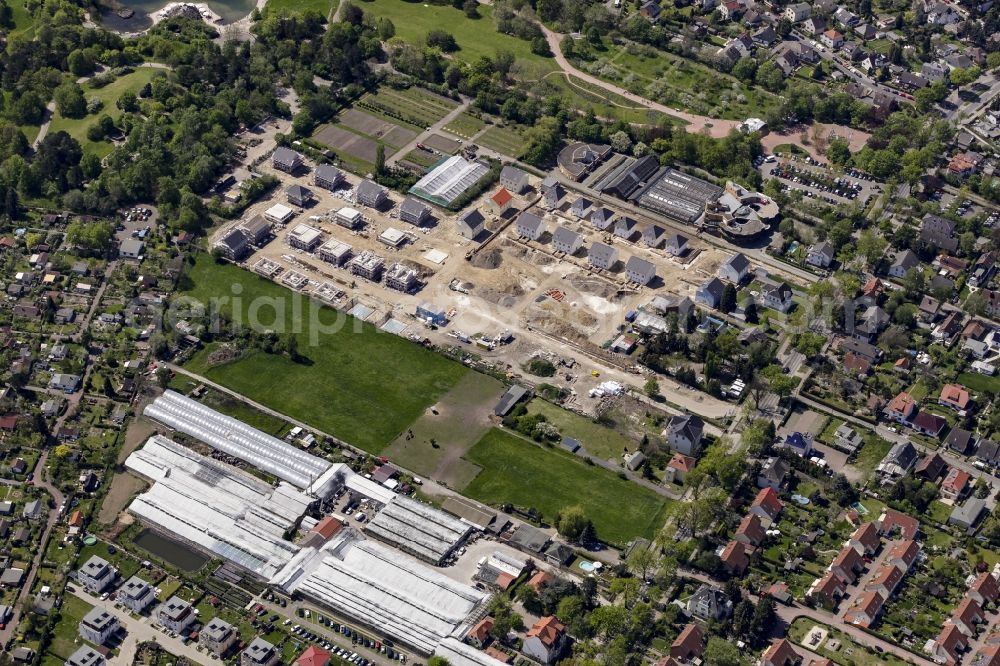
point(344, 141)
point(390, 133)
point(442, 144)
point(413, 105)
point(503, 140)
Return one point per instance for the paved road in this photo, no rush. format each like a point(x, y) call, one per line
point(141, 630)
point(41, 481)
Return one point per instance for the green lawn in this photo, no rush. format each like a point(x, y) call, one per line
point(324, 7)
point(519, 472)
point(475, 37)
point(598, 440)
point(871, 453)
point(109, 94)
point(355, 382)
point(979, 383)
point(66, 635)
point(24, 24)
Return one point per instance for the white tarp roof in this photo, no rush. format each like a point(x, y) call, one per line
point(236, 438)
point(459, 654)
point(418, 528)
point(216, 506)
point(397, 596)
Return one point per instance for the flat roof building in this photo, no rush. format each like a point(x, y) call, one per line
point(304, 237)
point(367, 265)
point(279, 213)
point(85, 656)
point(348, 217)
point(96, 574)
point(401, 277)
point(260, 653)
point(98, 625)
point(218, 636)
point(678, 195)
point(335, 252)
point(393, 237)
point(136, 594)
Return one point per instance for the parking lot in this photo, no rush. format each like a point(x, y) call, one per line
point(816, 182)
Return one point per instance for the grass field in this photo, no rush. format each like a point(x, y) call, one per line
point(24, 24)
point(521, 473)
point(109, 94)
point(504, 140)
point(598, 440)
point(871, 453)
point(582, 95)
point(465, 126)
point(475, 37)
point(357, 383)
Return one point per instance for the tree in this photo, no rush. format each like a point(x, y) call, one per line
point(471, 9)
point(975, 304)
point(128, 102)
point(386, 28)
point(163, 377)
point(621, 142)
point(651, 387)
point(784, 27)
point(442, 39)
point(871, 246)
point(641, 562)
point(839, 151)
point(571, 521)
point(79, 63)
point(380, 159)
point(727, 303)
point(720, 652)
point(70, 101)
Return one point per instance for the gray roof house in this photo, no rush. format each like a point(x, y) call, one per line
point(371, 194)
point(286, 159)
point(683, 434)
point(676, 244)
point(735, 269)
point(513, 179)
point(471, 224)
point(967, 515)
point(413, 211)
point(902, 263)
point(602, 256)
point(710, 293)
point(529, 226)
point(639, 270)
point(566, 240)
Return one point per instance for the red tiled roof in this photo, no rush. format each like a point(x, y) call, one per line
point(690, 644)
point(327, 527)
point(956, 480)
point(538, 579)
point(955, 395)
point(751, 528)
point(951, 640)
point(986, 586)
point(504, 580)
point(867, 535)
point(482, 629)
point(904, 551)
point(967, 611)
point(548, 629)
point(780, 653)
point(903, 403)
point(735, 557)
point(497, 653)
point(681, 462)
point(502, 197)
point(313, 656)
point(767, 499)
point(887, 577)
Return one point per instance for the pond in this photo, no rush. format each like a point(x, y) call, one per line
point(170, 551)
point(230, 11)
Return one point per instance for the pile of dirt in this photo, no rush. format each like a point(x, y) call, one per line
point(489, 259)
point(505, 295)
point(224, 354)
point(595, 286)
point(423, 271)
point(542, 259)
